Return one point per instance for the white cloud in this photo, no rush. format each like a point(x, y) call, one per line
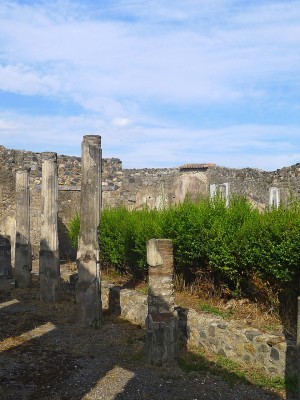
point(237, 146)
point(24, 80)
point(121, 122)
point(82, 56)
point(124, 62)
point(8, 126)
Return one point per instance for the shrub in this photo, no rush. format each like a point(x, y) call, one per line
point(73, 229)
point(123, 238)
point(233, 243)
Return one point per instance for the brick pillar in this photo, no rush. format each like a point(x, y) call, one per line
point(161, 323)
point(88, 292)
point(49, 270)
point(22, 246)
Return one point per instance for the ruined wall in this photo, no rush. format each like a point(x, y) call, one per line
point(69, 180)
point(273, 353)
point(255, 184)
point(133, 188)
point(155, 188)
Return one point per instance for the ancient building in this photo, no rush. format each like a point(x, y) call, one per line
point(133, 188)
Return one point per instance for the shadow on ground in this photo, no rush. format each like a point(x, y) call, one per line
point(45, 355)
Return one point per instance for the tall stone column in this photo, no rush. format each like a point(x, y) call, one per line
point(22, 246)
point(161, 322)
point(88, 292)
point(49, 270)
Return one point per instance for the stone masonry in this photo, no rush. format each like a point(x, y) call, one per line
point(161, 323)
point(273, 354)
point(49, 268)
point(5, 256)
point(133, 188)
point(88, 294)
point(23, 258)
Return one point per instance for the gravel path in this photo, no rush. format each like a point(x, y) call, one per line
point(45, 355)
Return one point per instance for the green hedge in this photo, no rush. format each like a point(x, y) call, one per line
point(233, 243)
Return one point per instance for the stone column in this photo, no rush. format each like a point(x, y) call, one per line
point(49, 270)
point(22, 246)
point(161, 322)
point(5, 256)
point(88, 292)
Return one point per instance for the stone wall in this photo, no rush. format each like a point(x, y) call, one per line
point(132, 188)
point(274, 354)
point(129, 304)
point(255, 184)
point(69, 180)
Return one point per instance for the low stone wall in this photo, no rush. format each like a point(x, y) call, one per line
point(273, 353)
point(126, 303)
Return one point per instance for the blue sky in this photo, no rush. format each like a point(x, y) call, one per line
point(163, 82)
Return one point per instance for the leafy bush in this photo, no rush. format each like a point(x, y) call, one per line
point(188, 225)
point(234, 243)
point(73, 230)
point(123, 238)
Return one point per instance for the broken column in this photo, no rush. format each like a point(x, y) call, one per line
point(23, 265)
point(49, 270)
point(88, 292)
point(161, 323)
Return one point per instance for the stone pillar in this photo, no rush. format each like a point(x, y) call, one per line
point(49, 270)
point(88, 292)
point(23, 265)
point(5, 256)
point(161, 322)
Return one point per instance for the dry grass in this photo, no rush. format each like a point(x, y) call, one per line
point(261, 313)
point(242, 310)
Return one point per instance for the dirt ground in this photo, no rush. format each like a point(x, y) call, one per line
point(45, 355)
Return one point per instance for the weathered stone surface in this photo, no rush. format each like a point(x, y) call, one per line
point(88, 290)
point(263, 348)
point(212, 330)
point(230, 342)
point(5, 256)
point(23, 267)
point(132, 188)
point(161, 322)
point(274, 354)
point(252, 334)
point(250, 348)
point(49, 268)
point(161, 340)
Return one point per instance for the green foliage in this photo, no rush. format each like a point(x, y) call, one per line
point(188, 225)
point(215, 311)
point(124, 235)
point(233, 243)
point(73, 230)
point(116, 237)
